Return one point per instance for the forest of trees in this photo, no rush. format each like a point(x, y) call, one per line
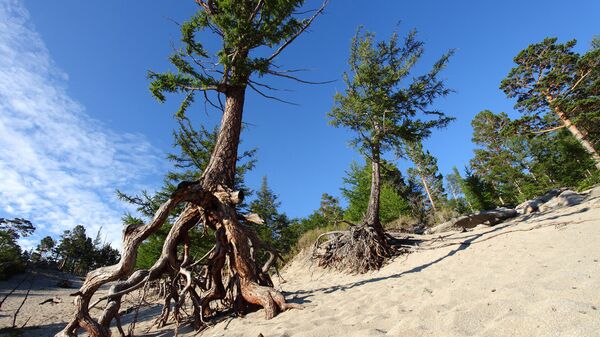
point(213, 238)
point(515, 159)
point(73, 252)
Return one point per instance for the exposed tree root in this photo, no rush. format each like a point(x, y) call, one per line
point(357, 250)
point(189, 283)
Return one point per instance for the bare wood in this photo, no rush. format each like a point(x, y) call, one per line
point(53, 300)
point(14, 321)
point(293, 37)
point(428, 193)
point(13, 289)
point(550, 130)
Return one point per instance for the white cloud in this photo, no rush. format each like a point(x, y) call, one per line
point(58, 166)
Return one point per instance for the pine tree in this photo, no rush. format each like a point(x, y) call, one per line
point(478, 193)
point(382, 111)
point(550, 77)
point(427, 173)
point(250, 35)
point(12, 260)
point(274, 229)
point(459, 203)
point(46, 247)
point(500, 159)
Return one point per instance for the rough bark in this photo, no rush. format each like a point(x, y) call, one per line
point(133, 236)
point(221, 167)
point(372, 214)
point(576, 133)
point(212, 201)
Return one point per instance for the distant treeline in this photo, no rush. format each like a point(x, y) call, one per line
point(74, 252)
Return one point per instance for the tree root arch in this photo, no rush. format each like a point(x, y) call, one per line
point(190, 283)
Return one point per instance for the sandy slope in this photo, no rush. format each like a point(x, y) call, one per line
point(533, 276)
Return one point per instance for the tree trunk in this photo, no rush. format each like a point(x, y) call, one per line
point(372, 215)
point(428, 194)
point(221, 167)
point(577, 134)
point(519, 188)
point(211, 200)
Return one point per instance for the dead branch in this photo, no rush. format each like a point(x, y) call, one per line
point(53, 300)
point(14, 321)
point(300, 31)
point(13, 289)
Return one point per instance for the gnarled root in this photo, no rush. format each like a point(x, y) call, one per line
point(357, 250)
point(270, 299)
point(216, 210)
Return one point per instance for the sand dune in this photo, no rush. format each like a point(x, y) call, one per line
point(537, 275)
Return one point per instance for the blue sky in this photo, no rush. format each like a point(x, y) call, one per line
point(74, 100)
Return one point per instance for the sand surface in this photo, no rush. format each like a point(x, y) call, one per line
point(536, 275)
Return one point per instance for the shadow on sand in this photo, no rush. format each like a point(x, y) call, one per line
point(300, 296)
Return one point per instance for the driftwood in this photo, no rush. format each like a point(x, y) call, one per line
point(533, 205)
point(553, 199)
point(52, 300)
point(490, 218)
point(564, 199)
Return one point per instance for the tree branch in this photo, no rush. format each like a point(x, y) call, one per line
point(268, 96)
point(549, 130)
point(291, 39)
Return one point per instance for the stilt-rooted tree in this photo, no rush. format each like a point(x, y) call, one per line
point(383, 113)
point(252, 34)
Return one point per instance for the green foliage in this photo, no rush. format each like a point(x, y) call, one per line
point(274, 231)
point(501, 158)
point(12, 260)
point(386, 109)
point(426, 173)
point(545, 69)
point(377, 104)
point(589, 182)
point(560, 161)
point(308, 237)
point(457, 202)
point(550, 76)
point(478, 193)
point(516, 164)
point(45, 250)
point(17, 227)
point(79, 254)
point(357, 190)
point(251, 35)
point(300, 232)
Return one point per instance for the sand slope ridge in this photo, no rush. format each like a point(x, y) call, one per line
point(536, 275)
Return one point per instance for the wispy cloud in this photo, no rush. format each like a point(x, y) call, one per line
point(58, 166)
